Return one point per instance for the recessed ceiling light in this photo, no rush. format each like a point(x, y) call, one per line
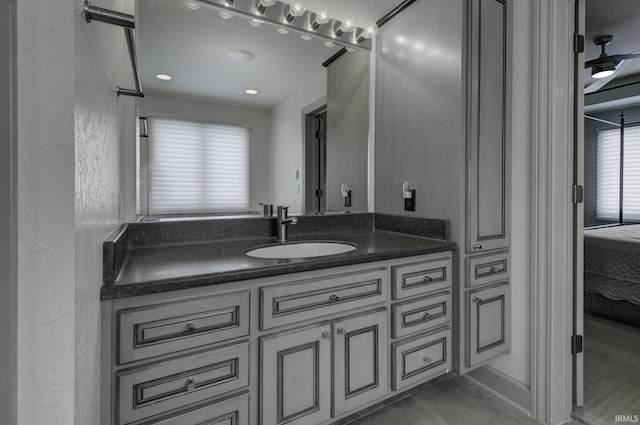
point(251, 91)
point(306, 37)
point(255, 22)
point(241, 55)
point(163, 77)
point(282, 31)
point(224, 14)
point(192, 5)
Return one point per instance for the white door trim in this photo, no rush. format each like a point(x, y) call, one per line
point(552, 220)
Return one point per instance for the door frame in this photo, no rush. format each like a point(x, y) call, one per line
point(552, 236)
point(8, 245)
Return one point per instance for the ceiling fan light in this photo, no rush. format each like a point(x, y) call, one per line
point(603, 71)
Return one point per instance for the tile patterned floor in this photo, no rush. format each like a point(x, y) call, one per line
point(451, 400)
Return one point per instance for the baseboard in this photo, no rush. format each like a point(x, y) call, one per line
point(514, 392)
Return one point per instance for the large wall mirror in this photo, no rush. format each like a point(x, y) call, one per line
point(239, 112)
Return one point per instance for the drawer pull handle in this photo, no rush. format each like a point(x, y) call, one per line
point(191, 384)
point(427, 279)
point(477, 300)
point(477, 246)
point(191, 328)
point(333, 298)
point(427, 315)
point(341, 330)
point(493, 269)
point(426, 359)
point(326, 334)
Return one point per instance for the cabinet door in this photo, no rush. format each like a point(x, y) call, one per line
point(360, 360)
point(489, 151)
point(488, 323)
point(295, 385)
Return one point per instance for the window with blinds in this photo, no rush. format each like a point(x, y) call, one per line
point(608, 175)
point(197, 167)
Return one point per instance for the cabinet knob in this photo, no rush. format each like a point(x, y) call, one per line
point(326, 334)
point(191, 384)
point(477, 300)
point(341, 330)
point(427, 279)
point(427, 315)
point(334, 298)
point(191, 328)
point(492, 269)
point(426, 359)
point(477, 246)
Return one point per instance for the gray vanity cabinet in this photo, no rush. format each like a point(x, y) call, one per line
point(488, 327)
point(295, 386)
point(360, 360)
point(489, 153)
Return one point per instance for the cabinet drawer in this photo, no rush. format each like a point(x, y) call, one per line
point(302, 300)
point(487, 268)
point(164, 386)
point(421, 357)
point(421, 277)
point(166, 328)
point(488, 323)
point(233, 410)
point(419, 315)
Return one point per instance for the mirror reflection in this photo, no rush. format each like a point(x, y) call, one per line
point(238, 114)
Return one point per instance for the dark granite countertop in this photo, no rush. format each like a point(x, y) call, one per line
point(153, 269)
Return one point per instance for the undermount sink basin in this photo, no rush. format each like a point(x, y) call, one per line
point(301, 250)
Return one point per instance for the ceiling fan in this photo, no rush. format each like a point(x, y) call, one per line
point(605, 65)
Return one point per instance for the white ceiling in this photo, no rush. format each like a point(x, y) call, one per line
point(193, 47)
point(620, 18)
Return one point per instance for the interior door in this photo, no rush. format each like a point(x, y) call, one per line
point(578, 214)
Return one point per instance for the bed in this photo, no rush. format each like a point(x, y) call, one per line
point(612, 273)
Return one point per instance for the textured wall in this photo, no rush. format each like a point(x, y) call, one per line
point(45, 196)
point(101, 63)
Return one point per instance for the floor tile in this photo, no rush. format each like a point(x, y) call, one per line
point(404, 412)
point(458, 401)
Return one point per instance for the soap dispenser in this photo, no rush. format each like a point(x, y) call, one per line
point(346, 194)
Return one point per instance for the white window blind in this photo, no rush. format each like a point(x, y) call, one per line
point(608, 174)
point(197, 167)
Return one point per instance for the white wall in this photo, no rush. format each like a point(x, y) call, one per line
point(287, 141)
point(517, 363)
point(256, 119)
point(45, 197)
point(101, 64)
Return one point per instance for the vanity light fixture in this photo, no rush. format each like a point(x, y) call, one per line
point(282, 30)
point(192, 5)
point(255, 22)
point(224, 14)
point(322, 17)
point(346, 25)
point(163, 77)
point(251, 92)
point(296, 9)
point(263, 5)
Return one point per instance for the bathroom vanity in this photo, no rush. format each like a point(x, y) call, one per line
point(195, 335)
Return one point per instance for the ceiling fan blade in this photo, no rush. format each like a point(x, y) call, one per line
point(606, 59)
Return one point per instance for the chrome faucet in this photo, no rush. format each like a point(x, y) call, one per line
point(283, 221)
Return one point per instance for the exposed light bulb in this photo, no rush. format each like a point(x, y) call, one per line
point(323, 17)
point(192, 5)
point(255, 23)
point(370, 30)
point(282, 30)
point(224, 14)
point(347, 24)
point(297, 9)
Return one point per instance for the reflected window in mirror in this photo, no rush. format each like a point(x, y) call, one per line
point(194, 168)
